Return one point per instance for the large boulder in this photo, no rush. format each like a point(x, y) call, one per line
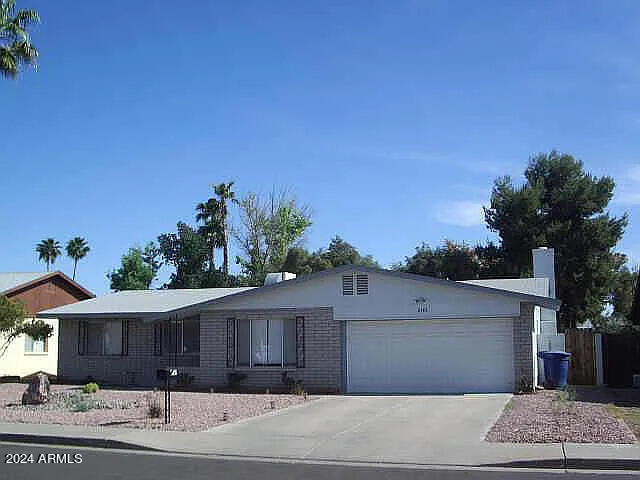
point(38, 390)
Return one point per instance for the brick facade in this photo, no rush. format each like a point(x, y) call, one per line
point(523, 337)
point(323, 354)
point(323, 369)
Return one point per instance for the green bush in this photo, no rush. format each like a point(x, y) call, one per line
point(90, 388)
point(81, 406)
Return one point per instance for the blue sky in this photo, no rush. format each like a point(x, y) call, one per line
point(389, 119)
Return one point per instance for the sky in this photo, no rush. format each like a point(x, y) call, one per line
point(390, 120)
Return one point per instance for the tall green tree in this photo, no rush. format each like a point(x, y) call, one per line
point(77, 249)
point(634, 315)
point(135, 272)
point(451, 261)
point(188, 252)
point(209, 214)
point(16, 49)
point(338, 253)
point(269, 227)
point(48, 251)
point(225, 196)
point(561, 206)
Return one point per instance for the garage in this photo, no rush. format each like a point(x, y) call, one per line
point(430, 356)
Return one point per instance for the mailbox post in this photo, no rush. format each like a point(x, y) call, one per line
point(166, 373)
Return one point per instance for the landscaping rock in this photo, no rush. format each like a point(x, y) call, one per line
point(37, 392)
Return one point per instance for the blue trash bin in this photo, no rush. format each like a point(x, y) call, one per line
point(556, 368)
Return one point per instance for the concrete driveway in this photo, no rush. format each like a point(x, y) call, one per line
point(404, 429)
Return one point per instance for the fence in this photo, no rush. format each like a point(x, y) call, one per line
point(621, 358)
point(581, 343)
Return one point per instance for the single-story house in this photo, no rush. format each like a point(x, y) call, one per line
point(37, 291)
point(348, 329)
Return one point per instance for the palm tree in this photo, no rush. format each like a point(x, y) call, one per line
point(209, 214)
point(225, 195)
point(77, 249)
point(48, 250)
point(16, 48)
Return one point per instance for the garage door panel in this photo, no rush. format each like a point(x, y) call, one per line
point(415, 356)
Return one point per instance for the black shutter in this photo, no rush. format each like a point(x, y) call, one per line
point(231, 342)
point(82, 337)
point(300, 342)
point(125, 337)
point(157, 339)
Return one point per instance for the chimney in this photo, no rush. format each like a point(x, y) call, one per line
point(544, 267)
point(278, 277)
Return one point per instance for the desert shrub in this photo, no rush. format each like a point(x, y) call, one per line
point(184, 380)
point(155, 408)
point(567, 394)
point(77, 403)
point(234, 378)
point(90, 388)
point(525, 385)
point(293, 385)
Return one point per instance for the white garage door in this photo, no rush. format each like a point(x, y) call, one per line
point(430, 356)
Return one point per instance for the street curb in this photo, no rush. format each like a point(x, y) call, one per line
point(73, 441)
point(573, 464)
point(106, 443)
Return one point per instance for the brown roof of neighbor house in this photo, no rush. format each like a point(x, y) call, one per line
point(41, 291)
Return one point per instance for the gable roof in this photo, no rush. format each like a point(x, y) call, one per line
point(156, 304)
point(543, 301)
point(140, 303)
point(11, 282)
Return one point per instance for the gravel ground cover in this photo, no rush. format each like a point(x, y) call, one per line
point(129, 408)
point(548, 416)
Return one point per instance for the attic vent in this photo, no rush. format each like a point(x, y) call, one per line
point(423, 305)
point(362, 284)
point(355, 284)
point(347, 284)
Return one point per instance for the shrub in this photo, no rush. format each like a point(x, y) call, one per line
point(293, 385)
point(234, 378)
point(568, 394)
point(82, 406)
point(90, 388)
point(184, 380)
point(525, 385)
point(154, 406)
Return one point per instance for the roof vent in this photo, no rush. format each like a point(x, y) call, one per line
point(278, 277)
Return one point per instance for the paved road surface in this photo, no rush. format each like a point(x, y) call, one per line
point(98, 464)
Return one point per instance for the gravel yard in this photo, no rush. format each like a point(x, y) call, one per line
point(545, 417)
point(128, 408)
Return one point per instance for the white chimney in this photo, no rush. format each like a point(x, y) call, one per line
point(544, 267)
point(278, 277)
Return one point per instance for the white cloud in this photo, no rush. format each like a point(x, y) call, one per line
point(628, 188)
point(461, 213)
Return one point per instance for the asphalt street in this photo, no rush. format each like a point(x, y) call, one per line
point(71, 463)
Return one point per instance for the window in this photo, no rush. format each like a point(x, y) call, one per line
point(35, 346)
point(102, 337)
point(262, 343)
point(177, 337)
point(355, 284)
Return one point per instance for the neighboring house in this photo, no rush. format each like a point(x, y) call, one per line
point(37, 291)
point(348, 329)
